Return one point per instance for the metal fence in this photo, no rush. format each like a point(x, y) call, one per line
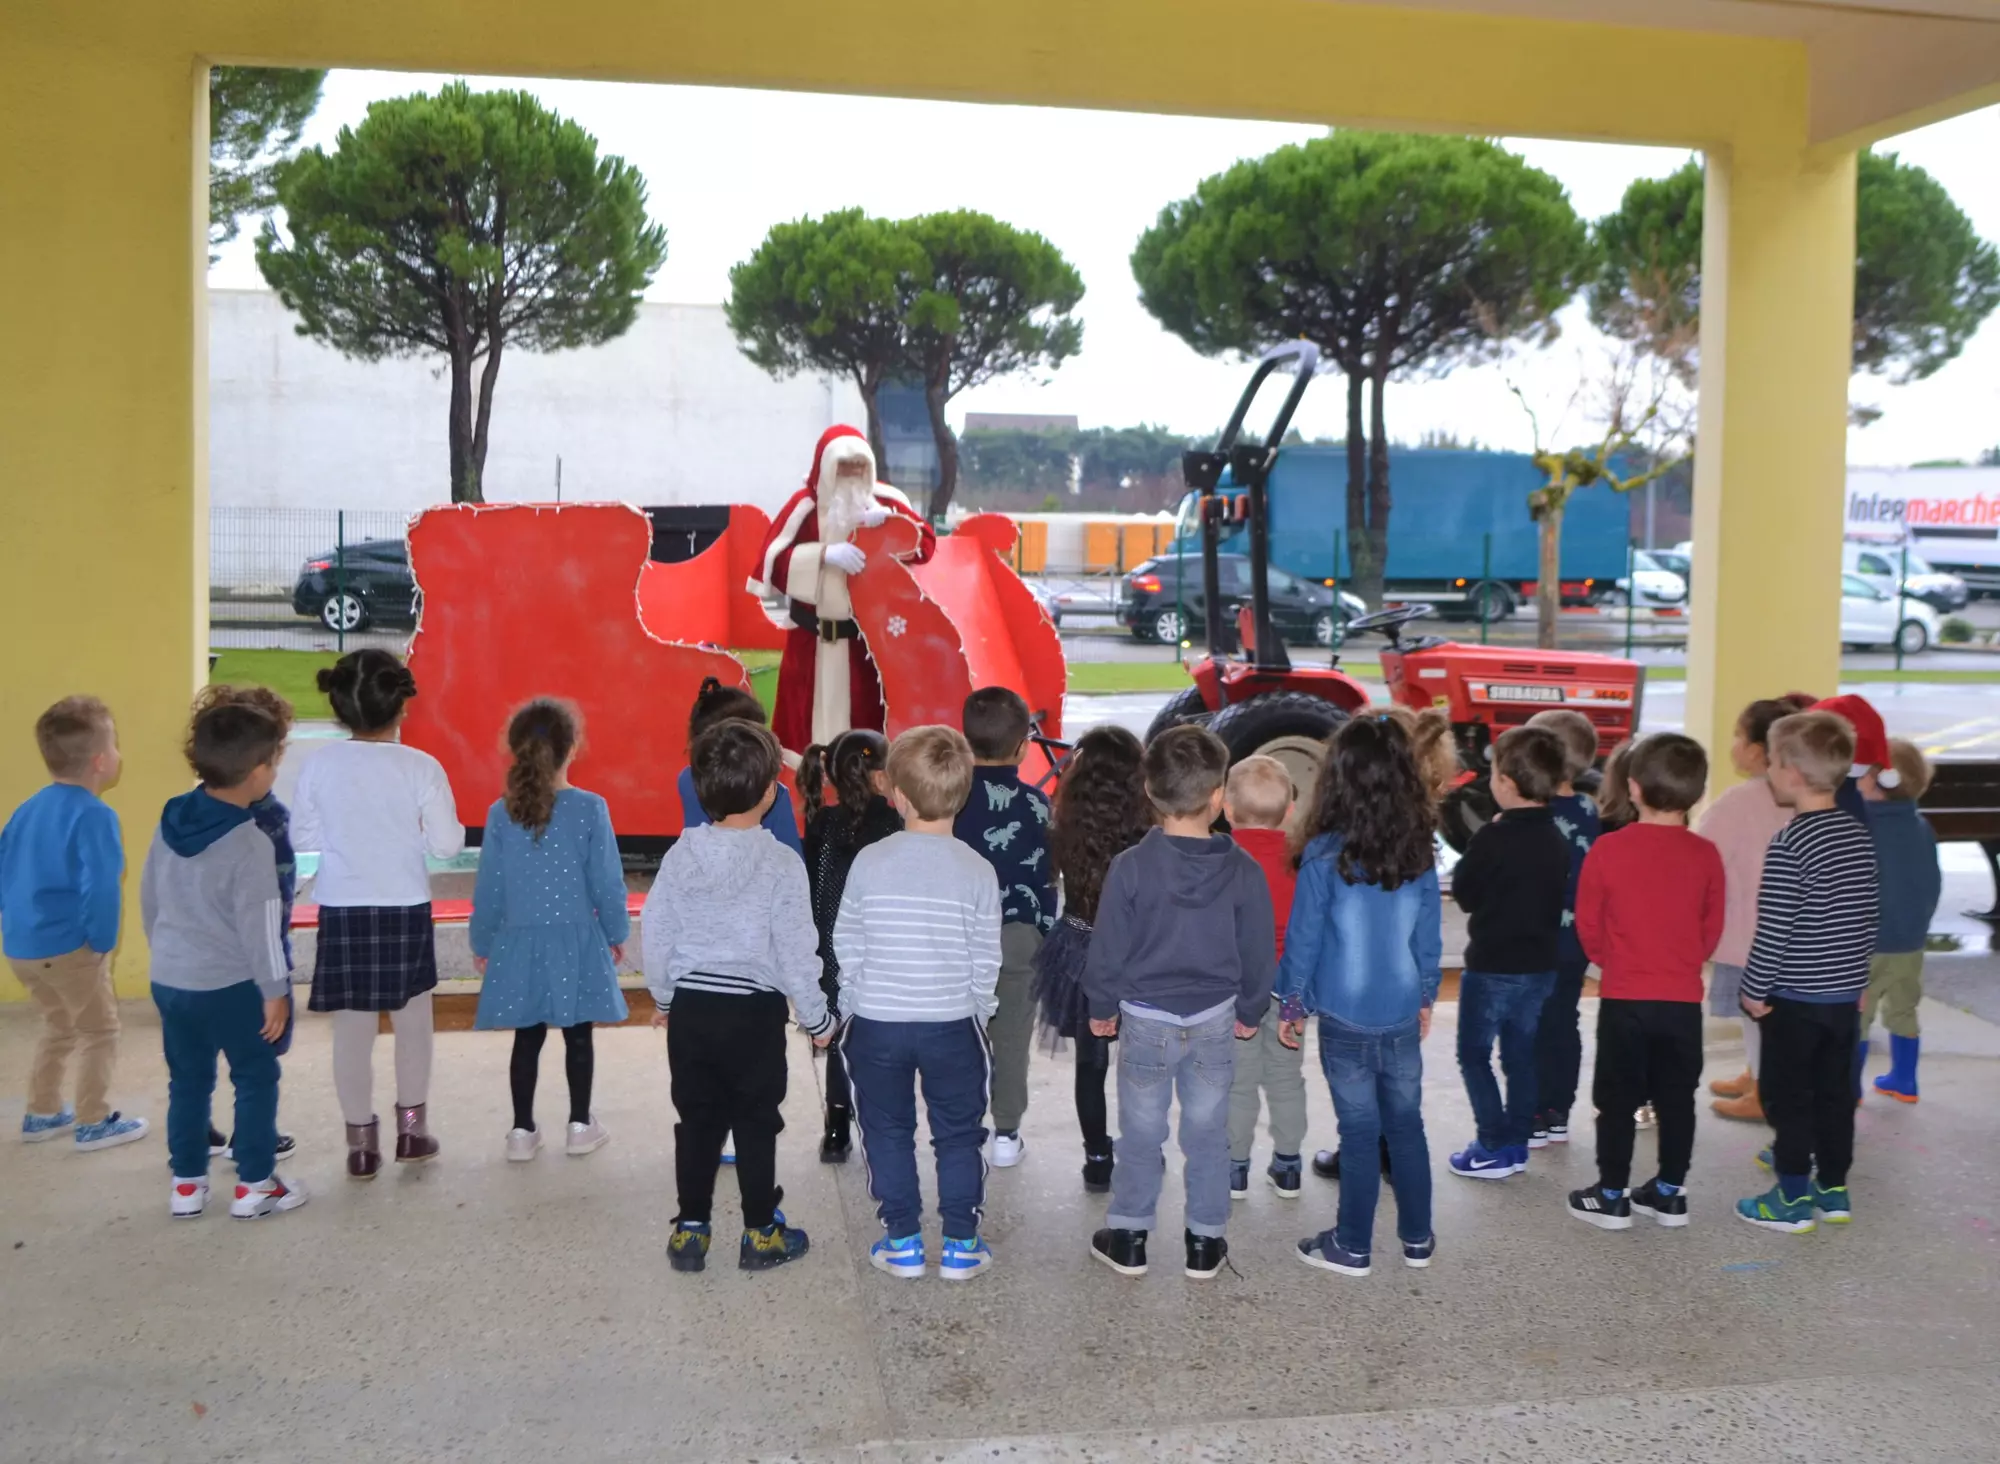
point(308, 579)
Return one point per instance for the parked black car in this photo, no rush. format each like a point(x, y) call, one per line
point(369, 584)
point(1158, 607)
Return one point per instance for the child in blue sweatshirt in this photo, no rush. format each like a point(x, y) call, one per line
point(1363, 951)
point(1907, 874)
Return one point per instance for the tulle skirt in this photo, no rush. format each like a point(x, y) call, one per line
point(1059, 998)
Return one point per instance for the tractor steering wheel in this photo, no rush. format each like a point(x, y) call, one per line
point(1391, 620)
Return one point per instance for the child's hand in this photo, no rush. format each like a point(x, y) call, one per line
point(276, 1008)
point(1292, 1034)
point(1245, 1034)
point(823, 1041)
point(660, 1018)
point(618, 955)
point(1105, 1027)
point(479, 964)
point(1757, 1009)
point(1423, 1024)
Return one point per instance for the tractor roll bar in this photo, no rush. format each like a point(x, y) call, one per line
point(1249, 466)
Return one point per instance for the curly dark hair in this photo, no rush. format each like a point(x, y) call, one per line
point(1101, 810)
point(1370, 793)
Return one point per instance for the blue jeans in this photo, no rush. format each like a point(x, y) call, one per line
point(194, 1027)
point(1155, 1058)
point(1507, 1007)
point(885, 1062)
point(1378, 1092)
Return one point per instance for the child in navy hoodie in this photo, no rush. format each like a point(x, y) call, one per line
point(1910, 882)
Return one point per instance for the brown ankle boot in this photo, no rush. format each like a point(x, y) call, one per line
point(1746, 1108)
point(414, 1143)
point(364, 1154)
point(1734, 1087)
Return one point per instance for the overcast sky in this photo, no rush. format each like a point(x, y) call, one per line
point(722, 166)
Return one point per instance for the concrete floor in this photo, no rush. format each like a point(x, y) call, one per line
point(478, 1310)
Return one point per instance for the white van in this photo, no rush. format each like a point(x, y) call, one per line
point(1882, 561)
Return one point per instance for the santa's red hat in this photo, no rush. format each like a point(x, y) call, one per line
point(839, 443)
point(1871, 738)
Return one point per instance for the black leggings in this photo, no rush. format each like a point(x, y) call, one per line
point(839, 1092)
point(579, 1062)
point(1093, 1066)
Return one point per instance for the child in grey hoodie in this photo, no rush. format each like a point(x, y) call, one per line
point(213, 914)
point(727, 936)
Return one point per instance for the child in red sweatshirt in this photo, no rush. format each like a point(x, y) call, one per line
point(1649, 911)
point(1258, 804)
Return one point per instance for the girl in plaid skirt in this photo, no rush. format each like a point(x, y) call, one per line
point(374, 808)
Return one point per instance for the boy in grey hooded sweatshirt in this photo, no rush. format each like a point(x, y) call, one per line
point(214, 915)
point(727, 936)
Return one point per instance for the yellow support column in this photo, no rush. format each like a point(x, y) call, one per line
point(1777, 305)
point(103, 374)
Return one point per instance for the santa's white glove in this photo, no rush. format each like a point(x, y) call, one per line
point(845, 558)
point(874, 516)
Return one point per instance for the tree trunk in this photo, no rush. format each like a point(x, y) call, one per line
point(1363, 550)
point(465, 485)
point(947, 451)
point(878, 443)
point(1378, 484)
point(482, 415)
point(1548, 575)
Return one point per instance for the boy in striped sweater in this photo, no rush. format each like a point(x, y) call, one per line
point(728, 941)
point(918, 944)
point(1816, 918)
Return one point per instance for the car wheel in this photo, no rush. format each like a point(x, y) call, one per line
point(344, 612)
point(1185, 708)
point(1912, 639)
point(1465, 811)
point(1329, 630)
point(1491, 602)
point(1167, 627)
point(1290, 726)
point(1612, 599)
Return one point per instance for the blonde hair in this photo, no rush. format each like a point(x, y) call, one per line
point(72, 732)
point(1818, 746)
point(1259, 791)
point(1431, 746)
point(1578, 738)
point(932, 767)
point(1913, 770)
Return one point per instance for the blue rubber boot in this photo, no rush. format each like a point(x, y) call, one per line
point(1900, 1082)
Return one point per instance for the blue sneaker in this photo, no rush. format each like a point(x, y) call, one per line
point(1476, 1161)
point(1239, 1180)
point(115, 1130)
point(1834, 1207)
point(1285, 1178)
point(902, 1257)
point(961, 1260)
point(1765, 1162)
point(39, 1128)
point(1323, 1252)
point(776, 1244)
point(1417, 1254)
point(1519, 1155)
point(1772, 1211)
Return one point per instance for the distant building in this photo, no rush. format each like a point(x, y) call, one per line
point(670, 412)
point(1018, 422)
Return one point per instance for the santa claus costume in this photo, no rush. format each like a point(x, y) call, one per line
point(826, 682)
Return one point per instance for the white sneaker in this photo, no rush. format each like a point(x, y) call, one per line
point(523, 1145)
point(1007, 1150)
point(586, 1138)
point(190, 1197)
point(254, 1201)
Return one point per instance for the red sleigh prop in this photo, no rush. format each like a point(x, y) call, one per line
point(527, 600)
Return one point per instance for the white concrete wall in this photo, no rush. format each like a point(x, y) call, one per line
point(671, 412)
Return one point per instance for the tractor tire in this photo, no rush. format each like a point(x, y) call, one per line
point(1287, 725)
point(1465, 811)
point(1186, 707)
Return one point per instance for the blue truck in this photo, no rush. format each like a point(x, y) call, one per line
point(1460, 536)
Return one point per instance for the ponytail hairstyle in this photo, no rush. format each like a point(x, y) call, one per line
point(1101, 810)
point(368, 689)
point(542, 737)
point(718, 703)
point(1370, 793)
point(845, 765)
point(1614, 794)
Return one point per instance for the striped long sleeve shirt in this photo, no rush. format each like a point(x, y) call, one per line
point(918, 934)
point(1816, 911)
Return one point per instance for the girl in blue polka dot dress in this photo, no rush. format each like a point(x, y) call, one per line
point(549, 921)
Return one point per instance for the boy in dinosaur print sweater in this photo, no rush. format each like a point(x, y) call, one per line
point(1007, 823)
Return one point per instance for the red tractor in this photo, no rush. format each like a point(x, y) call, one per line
point(1262, 703)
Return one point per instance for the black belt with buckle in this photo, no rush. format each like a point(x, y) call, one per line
point(829, 631)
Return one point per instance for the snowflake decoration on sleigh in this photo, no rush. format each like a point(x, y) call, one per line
point(897, 625)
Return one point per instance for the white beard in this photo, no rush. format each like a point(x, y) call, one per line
point(842, 507)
